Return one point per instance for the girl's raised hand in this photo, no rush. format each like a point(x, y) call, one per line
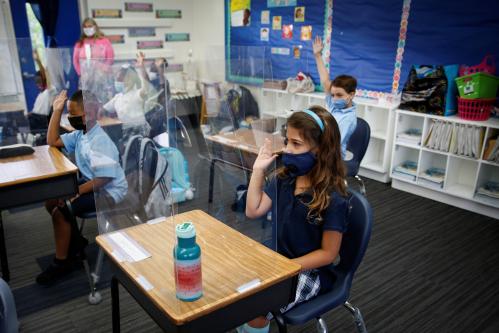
point(58, 104)
point(140, 58)
point(317, 45)
point(265, 157)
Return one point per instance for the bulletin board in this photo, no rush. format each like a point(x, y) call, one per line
point(375, 41)
point(274, 56)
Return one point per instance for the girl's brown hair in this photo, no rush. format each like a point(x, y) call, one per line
point(98, 34)
point(328, 174)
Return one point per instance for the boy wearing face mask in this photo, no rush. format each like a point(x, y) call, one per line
point(100, 175)
point(339, 97)
point(92, 45)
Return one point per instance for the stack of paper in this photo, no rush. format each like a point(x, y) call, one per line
point(433, 177)
point(491, 153)
point(489, 192)
point(459, 139)
point(406, 170)
point(411, 136)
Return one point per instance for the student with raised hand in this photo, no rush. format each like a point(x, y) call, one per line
point(339, 97)
point(132, 90)
point(308, 200)
point(101, 178)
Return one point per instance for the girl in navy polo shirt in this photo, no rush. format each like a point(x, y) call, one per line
point(308, 200)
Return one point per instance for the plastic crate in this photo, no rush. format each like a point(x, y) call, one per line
point(477, 85)
point(474, 109)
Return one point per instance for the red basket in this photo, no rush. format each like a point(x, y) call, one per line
point(475, 109)
point(488, 65)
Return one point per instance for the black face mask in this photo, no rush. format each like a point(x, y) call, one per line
point(77, 122)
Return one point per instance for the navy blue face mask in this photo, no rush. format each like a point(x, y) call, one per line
point(299, 164)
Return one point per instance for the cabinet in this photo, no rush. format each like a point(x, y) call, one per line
point(379, 116)
point(463, 175)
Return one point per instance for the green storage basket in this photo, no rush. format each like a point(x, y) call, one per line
point(477, 85)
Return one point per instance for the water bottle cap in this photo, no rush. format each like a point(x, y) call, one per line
point(185, 230)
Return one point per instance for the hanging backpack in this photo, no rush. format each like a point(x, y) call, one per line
point(148, 183)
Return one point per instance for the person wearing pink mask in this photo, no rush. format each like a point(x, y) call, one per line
point(93, 46)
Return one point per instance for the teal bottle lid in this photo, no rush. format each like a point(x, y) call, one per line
point(185, 230)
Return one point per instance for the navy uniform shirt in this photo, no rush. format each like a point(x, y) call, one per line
point(296, 234)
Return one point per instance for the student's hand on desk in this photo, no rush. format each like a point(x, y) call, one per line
point(265, 157)
point(317, 45)
point(58, 104)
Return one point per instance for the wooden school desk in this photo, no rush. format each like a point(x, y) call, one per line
point(45, 174)
point(229, 260)
point(245, 143)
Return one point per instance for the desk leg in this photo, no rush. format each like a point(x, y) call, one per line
point(212, 176)
point(115, 304)
point(3, 253)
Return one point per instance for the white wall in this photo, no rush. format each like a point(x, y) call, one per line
point(209, 41)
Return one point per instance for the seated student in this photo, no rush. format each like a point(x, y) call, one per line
point(98, 163)
point(308, 198)
point(132, 90)
point(339, 97)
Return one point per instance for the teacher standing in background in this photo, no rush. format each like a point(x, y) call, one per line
point(92, 45)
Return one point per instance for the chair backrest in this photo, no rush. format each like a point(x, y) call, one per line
point(8, 314)
point(356, 238)
point(358, 145)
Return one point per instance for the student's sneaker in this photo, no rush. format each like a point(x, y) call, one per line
point(56, 270)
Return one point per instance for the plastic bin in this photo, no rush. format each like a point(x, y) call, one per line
point(474, 109)
point(477, 85)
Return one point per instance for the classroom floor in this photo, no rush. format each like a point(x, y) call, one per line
point(429, 267)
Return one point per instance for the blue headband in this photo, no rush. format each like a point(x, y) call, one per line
point(316, 118)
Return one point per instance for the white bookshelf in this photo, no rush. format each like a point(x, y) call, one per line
point(463, 175)
point(379, 116)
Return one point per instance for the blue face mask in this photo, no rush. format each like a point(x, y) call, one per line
point(119, 86)
point(299, 164)
point(339, 103)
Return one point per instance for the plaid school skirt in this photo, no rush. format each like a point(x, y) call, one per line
point(308, 286)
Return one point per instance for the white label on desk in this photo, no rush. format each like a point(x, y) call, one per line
point(118, 256)
point(144, 283)
point(243, 147)
point(247, 286)
point(156, 220)
point(127, 248)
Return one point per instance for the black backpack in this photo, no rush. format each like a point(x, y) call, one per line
point(146, 173)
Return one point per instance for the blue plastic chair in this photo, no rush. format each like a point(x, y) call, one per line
point(357, 145)
point(353, 247)
point(8, 313)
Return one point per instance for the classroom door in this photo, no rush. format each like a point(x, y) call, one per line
point(63, 16)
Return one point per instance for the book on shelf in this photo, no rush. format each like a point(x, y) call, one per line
point(410, 136)
point(489, 189)
point(429, 183)
point(432, 177)
point(459, 139)
point(408, 167)
point(402, 175)
point(491, 153)
point(487, 199)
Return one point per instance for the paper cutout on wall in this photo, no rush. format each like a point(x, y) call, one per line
point(280, 50)
point(138, 7)
point(116, 39)
point(142, 32)
point(265, 18)
point(106, 13)
point(177, 37)
point(149, 44)
point(169, 13)
point(299, 14)
point(281, 3)
point(276, 22)
point(287, 31)
point(264, 34)
point(240, 13)
point(297, 51)
point(306, 32)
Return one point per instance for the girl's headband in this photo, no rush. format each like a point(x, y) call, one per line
point(316, 118)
